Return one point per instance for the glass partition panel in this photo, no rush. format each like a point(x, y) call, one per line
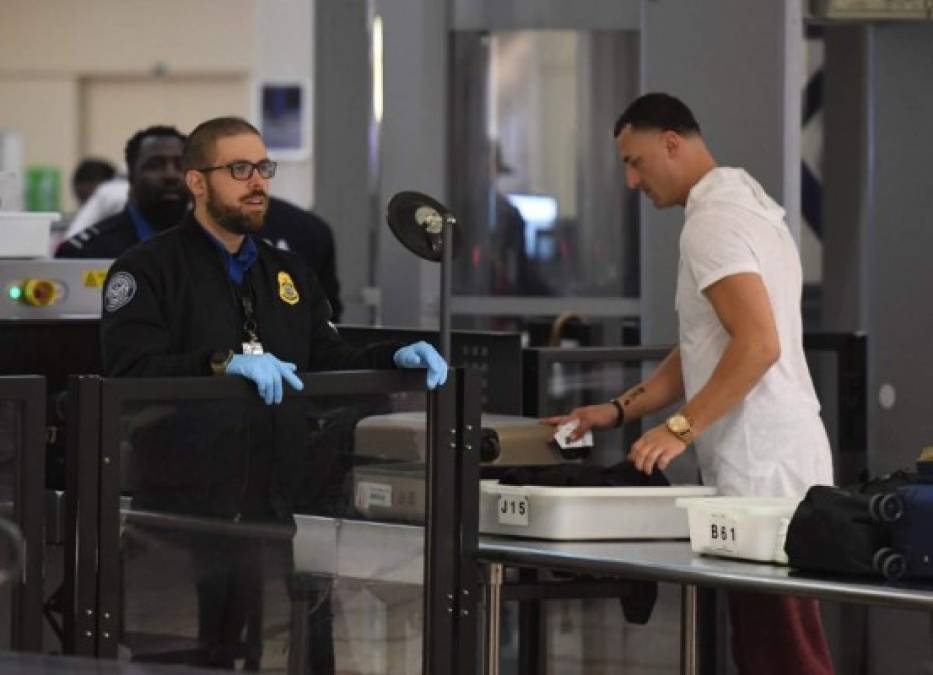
point(11, 441)
point(269, 538)
point(838, 366)
point(824, 369)
point(22, 464)
point(535, 182)
point(535, 179)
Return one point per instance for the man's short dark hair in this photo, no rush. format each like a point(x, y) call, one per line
point(658, 111)
point(199, 147)
point(135, 143)
point(92, 169)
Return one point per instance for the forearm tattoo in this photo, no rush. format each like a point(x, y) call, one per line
point(630, 396)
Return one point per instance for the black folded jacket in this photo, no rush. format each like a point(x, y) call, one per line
point(623, 474)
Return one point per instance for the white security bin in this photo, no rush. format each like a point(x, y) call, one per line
point(585, 513)
point(393, 492)
point(26, 234)
point(751, 528)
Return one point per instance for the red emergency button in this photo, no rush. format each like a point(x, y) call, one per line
point(38, 292)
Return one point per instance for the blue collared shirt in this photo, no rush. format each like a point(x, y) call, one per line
point(238, 263)
point(143, 229)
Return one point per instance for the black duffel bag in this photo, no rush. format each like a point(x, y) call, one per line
point(849, 530)
point(833, 531)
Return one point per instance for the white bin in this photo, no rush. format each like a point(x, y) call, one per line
point(26, 234)
point(585, 513)
point(751, 528)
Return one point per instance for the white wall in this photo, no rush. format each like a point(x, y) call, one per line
point(284, 51)
point(55, 54)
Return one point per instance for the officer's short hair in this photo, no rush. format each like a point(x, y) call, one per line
point(199, 148)
point(131, 152)
point(658, 111)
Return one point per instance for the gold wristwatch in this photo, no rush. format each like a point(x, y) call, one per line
point(681, 426)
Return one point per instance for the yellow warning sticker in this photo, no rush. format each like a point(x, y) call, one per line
point(94, 278)
point(287, 290)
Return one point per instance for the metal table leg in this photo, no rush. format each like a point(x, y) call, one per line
point(299, 656)
point(689, 663)
point(493, 604)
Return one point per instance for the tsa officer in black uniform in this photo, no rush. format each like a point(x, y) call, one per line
point(210, 297)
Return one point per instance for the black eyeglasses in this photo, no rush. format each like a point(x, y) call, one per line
point(244, 170)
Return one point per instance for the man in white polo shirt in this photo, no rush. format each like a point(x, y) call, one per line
point(750, 407)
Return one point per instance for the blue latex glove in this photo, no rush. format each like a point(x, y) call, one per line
point(267, 372)
point(423, 355)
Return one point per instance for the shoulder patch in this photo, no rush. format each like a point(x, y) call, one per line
point(287, 290)
point(120, 290)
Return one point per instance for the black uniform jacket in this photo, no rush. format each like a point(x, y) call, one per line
point(168, 303)
point(108, 238)
point(182, 306)
point(306, 234)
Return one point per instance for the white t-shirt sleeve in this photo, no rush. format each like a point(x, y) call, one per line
point(715, 248)
point(109, 198)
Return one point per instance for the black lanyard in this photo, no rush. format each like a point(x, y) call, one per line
point(244, 293)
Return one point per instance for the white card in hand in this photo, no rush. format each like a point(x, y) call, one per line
point(562, 436)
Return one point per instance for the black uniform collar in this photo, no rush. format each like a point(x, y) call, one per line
point(195, 231)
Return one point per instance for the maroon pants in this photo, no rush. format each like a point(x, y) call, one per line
point(777, 634)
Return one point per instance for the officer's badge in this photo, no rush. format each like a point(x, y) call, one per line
point(287, 291)
point(120, 290)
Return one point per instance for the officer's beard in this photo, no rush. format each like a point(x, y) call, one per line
point(232, 218)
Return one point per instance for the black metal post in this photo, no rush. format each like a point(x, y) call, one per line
point(441, 546)
point(109, 565)
point(532, 657)
point(853, 409)
point(81, 516)
point(468, 461)
point(28, 508)
point(447, 238)
point(851, 350)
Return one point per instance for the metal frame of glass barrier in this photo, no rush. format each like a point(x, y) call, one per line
point(496, 355)
point(450, 638)
point(82, 500)
point(29, 477)
point(851, 350)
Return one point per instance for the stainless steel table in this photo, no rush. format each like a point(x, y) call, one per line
point(674, 562)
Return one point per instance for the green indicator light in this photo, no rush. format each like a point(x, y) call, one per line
point(16, 292)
